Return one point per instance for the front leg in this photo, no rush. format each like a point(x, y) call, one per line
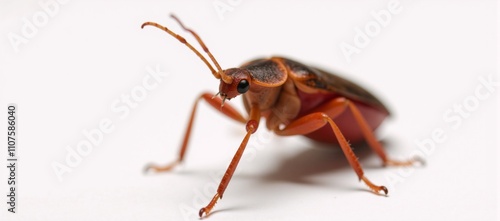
point(251, 126)
point(215, 102)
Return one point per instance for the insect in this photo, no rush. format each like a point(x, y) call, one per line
point(295, 99)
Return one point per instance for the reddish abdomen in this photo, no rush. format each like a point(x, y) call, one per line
point(345, 121)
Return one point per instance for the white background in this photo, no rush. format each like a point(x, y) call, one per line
point(66, 77)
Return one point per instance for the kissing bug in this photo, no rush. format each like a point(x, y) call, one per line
point(295, 99)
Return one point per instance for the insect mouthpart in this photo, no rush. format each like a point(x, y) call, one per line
point(223, 96)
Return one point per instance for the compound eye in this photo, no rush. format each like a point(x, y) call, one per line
point(243, 86)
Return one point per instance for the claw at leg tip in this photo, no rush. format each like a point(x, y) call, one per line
point(202, 211)
point(420, 160)
point(386, 191)
point(147, 168)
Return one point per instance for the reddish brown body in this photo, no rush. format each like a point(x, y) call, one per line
point(312, 88)
point(295, 99)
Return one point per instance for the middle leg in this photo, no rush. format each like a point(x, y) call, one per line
point(317, 120)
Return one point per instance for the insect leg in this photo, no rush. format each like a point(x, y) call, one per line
point(317, 120)
point(251, 126)
point(214, 102)
point(374, 143)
